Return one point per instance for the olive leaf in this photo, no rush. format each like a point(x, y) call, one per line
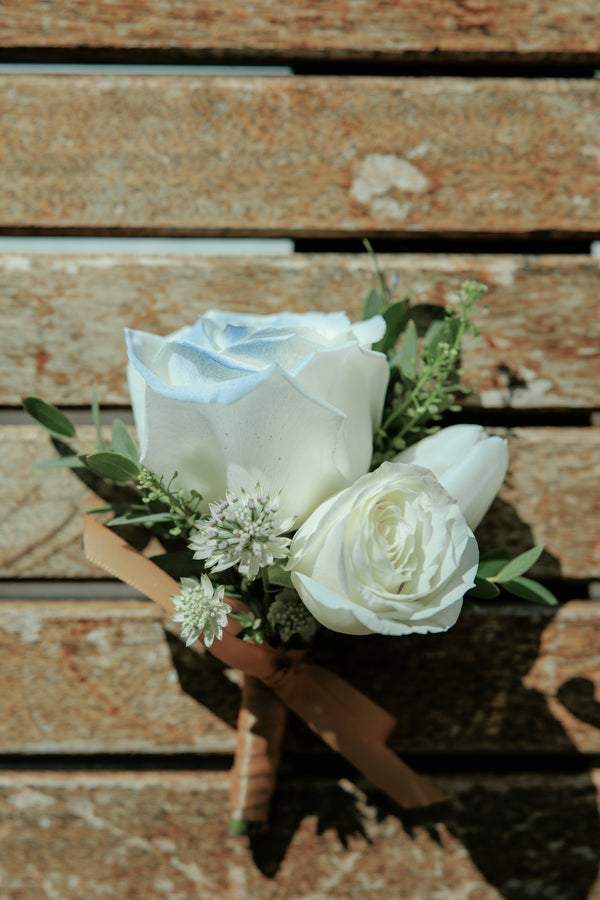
point(518, 565)
point(122, 441)
point(49, 417)
point(112, 465)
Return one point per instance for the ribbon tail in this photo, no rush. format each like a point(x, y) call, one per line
point(344, 718)
point(307, 694)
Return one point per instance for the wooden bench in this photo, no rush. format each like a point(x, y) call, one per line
point(463, 139)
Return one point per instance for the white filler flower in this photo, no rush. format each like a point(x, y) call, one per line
point(243, 530)
point(200, 610)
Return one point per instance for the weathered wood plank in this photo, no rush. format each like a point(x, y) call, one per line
point(539, 344)
point(299, 156)
point(158, 834)
point(357, 28)
point(101, 677)
point(550, 497)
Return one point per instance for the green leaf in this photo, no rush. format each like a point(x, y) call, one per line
point(241, 828)
point(519, 564)
point(112, 466)
point(380, 279)
point(395, 319)
point(122, 442)
point(60, 462)
point(491, 563)
point(136, 520)
point(432, 335)
point(374, 304)
point(49, 417)
point(279, 575)
point(530, 590)
point(483, 590)
point(101, 445)
point(407, 355)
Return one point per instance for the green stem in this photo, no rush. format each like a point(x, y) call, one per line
point(265, 580)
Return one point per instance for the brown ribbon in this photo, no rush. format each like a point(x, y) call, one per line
point(344, 718)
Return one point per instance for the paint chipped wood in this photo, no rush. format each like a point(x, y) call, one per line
point(104, 677)
point(355, 29)
point(74, 834)
point(299, 156)
point(540, 334)
point(552, 486)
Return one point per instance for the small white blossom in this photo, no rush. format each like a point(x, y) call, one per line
point(242, 531)
point(201, 610)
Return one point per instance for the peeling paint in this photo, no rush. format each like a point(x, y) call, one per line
point(380, 173)
point(16, 264)
point(30, 799)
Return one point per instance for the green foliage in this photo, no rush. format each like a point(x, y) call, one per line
point(117, 461)
point(496, 568)
point(49, 417)
point(396, 320)
point(424, 361)
point(484, 589)
point(518, 565)
point(182, 512)
point(112, 466)
point(528, 589)
point(424, 374)
point(101, 445)
point(122, 441)
point(252, 626)
point(374, 304)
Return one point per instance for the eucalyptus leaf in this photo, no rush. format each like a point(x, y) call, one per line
point(122, 441)
point(60, 462)
point(374, 304)
point(49, 417)
point(101, 445)
point(137, 520)
point(246, 619)
point(407, 355)
point(530, 590)
point(279, 575)
point(484, 589)
point(432, 335)
point(491, 563)
point(112, 466)
point(380, 279)
point(519, 565)
point(395, 317)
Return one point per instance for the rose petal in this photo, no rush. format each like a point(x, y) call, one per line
point(469, 463)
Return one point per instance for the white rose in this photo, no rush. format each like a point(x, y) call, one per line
point(467, 461)
point(392, 554)
point(289, 401)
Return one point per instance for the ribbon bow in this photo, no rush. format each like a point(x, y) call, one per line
point(348, 721)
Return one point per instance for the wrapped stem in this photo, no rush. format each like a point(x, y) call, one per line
point(261, 728)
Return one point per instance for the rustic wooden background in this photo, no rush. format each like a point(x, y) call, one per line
point(463, 138)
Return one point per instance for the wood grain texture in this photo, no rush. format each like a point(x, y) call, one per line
point(299, 156)
point(155, 834)
point(550, 497)
point(355, 28)
point(539, 344)
point(104, 677)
